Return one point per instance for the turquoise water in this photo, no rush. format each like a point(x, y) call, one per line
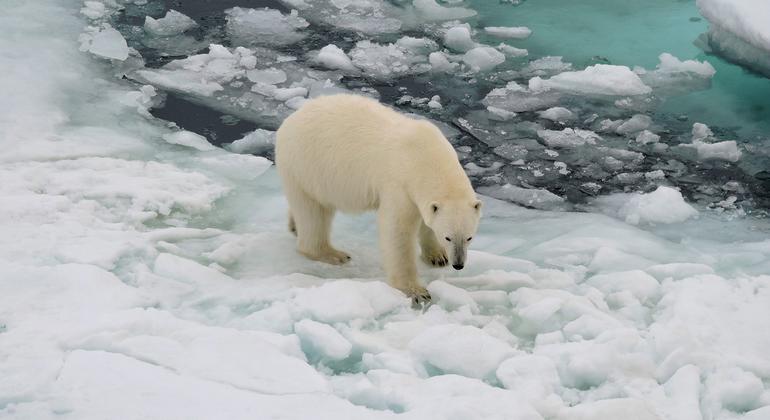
point(634, 33)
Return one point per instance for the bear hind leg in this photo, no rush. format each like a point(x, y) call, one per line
point(312, 223)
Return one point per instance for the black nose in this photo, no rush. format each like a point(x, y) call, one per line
point(458, 266)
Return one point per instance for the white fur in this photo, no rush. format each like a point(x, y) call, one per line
point(349, 153)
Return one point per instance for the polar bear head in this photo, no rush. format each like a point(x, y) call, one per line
point(454, 222)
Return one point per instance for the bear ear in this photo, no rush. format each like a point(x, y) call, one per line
point(434, 207)
point(477, 205)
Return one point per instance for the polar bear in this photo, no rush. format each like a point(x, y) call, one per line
point(352, 154)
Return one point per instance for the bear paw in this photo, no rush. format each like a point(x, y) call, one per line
point(417, 293)
point(436, 257)
point(330, 256)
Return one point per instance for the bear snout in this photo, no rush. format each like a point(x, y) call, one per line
point(458, 266)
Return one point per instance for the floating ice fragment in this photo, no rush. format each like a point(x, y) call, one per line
point(647, 137)
point(536, 198)
point(264, 26)
point(440, 63)
point(664, 205)
point(557, 113)
point(701, 131)
point(332, 57)
point(599, 79)
point(429, 10)
point(109, 43)
point(458, 38)
point(189, 139)
point(568, 137)
point(634, 124)
point(512, 51)
point(517, 32)
point(173, 23)
point(483, 58)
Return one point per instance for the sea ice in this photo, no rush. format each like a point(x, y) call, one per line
point(264, 26)
point(599, 79)
point(739, 31)
point(332, 57)
point(173, 23)
point(108, 43)
point(518, 32)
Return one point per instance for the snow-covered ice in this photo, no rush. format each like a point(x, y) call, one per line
point(146, 273)
point(739, 30)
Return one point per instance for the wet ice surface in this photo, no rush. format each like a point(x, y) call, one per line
point(146, 272)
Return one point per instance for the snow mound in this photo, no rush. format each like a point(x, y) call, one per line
point(599, 79)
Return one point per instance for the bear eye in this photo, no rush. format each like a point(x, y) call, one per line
point(448, 239)
point(469, 238)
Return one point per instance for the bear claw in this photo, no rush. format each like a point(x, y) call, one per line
point(437, 259)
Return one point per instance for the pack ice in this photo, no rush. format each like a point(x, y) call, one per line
point(146, 273)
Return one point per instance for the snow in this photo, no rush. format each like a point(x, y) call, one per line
point(462, 350)
point(158, 281)
point(599, 79)
point(173, 23)
point(323, 339)
point(517, 32)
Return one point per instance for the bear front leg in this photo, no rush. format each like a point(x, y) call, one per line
point(431, 251)
point(398, 222)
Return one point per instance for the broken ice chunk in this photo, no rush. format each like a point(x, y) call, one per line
point(189, 139)
point(483, 58)
point(108, 43)
point(518, 32)
point(264, 26)
point(599, 79)
point(173, 23)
